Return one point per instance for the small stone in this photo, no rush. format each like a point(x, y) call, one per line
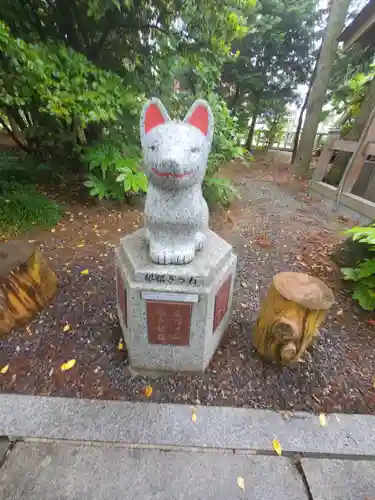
point(244, 306)
point(244, 284)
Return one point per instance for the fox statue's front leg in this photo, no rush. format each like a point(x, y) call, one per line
point(173, 233)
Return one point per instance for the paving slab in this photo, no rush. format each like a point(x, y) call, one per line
point(171, 425)
point(4, 445)
point(340, 479)
point(51, 471)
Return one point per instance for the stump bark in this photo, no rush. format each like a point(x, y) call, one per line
point(26, 284)
point(290, 316)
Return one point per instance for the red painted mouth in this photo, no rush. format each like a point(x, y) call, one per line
point(171, 174)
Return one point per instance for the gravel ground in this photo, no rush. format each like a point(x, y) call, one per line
point(274, 227)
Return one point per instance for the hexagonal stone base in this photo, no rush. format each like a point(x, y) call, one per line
point(173, 317)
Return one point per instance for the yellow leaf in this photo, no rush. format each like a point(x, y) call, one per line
point(194, 415)
point(4, 369)
point(80, 245)
point(66, 328)
point(241, 483)
point(85, 271)
point(68, 365)
point(322, 420)
point(277, 446)
point(148, 391)
point(120, 345)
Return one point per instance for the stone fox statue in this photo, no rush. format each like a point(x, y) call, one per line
point(175, 154)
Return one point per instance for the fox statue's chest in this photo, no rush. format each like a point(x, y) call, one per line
point(181, 207)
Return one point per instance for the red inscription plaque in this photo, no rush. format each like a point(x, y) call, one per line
point(121, 294)
point(168, 322)
point(221, 302)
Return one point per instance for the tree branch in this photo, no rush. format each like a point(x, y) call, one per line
point(15, 138)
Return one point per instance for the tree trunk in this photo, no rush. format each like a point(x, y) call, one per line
point(26, 284)
point(336, 172)
point(300, 119)
point(290, 315)
point(249, 140)
point(335, 25)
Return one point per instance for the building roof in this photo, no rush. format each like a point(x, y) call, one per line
point(362, 28)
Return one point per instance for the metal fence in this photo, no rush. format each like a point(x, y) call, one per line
point(284, 142)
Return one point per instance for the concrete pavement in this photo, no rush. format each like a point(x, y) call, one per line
point(56, 448)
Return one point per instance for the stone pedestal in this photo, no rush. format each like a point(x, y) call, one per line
point(173, 316)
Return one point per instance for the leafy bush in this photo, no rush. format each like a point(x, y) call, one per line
point(22, 207)
point(54, 97)
point(364, 274)
point(113, 170)
point(219, 191)
point(26, 169)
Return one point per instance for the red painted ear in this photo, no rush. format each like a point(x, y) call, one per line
point(153, 117)
point(199, 118)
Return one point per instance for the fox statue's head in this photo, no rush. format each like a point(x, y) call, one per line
point(175, 152)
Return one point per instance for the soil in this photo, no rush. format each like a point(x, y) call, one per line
point(275, 227)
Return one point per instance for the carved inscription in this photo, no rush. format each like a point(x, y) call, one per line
point(168, 322)
point(221, 302)
point(121, 295)
point(171, 279)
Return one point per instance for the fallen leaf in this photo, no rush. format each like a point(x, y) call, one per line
point(277, 446)
point(66, 328)
point(147, 391)
point(4, 369)
point(263, 241)
point(371, 322)
point(194, 415)
point(322, 420)
point(120, 345)
point(241, 483)
point(340, 312)
point(85, 271)
point(80, 245)
point(68, 365)
point(373, 383)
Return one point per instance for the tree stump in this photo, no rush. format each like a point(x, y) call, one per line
point(26, 284)
point(290, 316)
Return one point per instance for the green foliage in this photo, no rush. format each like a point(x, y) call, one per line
point(364, 274)
point(23, 207)
point(113, 170)
point(219, 191)
point(52, 94)
point(274, 57)
point(352, 73)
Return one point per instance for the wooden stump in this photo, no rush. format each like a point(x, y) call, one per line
point(26, 284)
point(290, 315)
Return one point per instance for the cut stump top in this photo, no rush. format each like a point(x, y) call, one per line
point(305, 290)
point(13, 254)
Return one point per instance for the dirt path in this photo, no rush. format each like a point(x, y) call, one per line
point(274, 227)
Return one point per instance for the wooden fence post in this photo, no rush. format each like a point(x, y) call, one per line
point(325, 156)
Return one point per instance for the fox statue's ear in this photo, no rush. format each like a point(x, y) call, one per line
point(200, 116)
point(153, 114)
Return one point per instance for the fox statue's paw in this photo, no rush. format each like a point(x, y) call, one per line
point(179, 255)
point(200, 238)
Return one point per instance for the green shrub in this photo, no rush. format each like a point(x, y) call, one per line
point(22, 207)
point(114, 170)
point(219, 191)
point(364, 274)
point(24, 168)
